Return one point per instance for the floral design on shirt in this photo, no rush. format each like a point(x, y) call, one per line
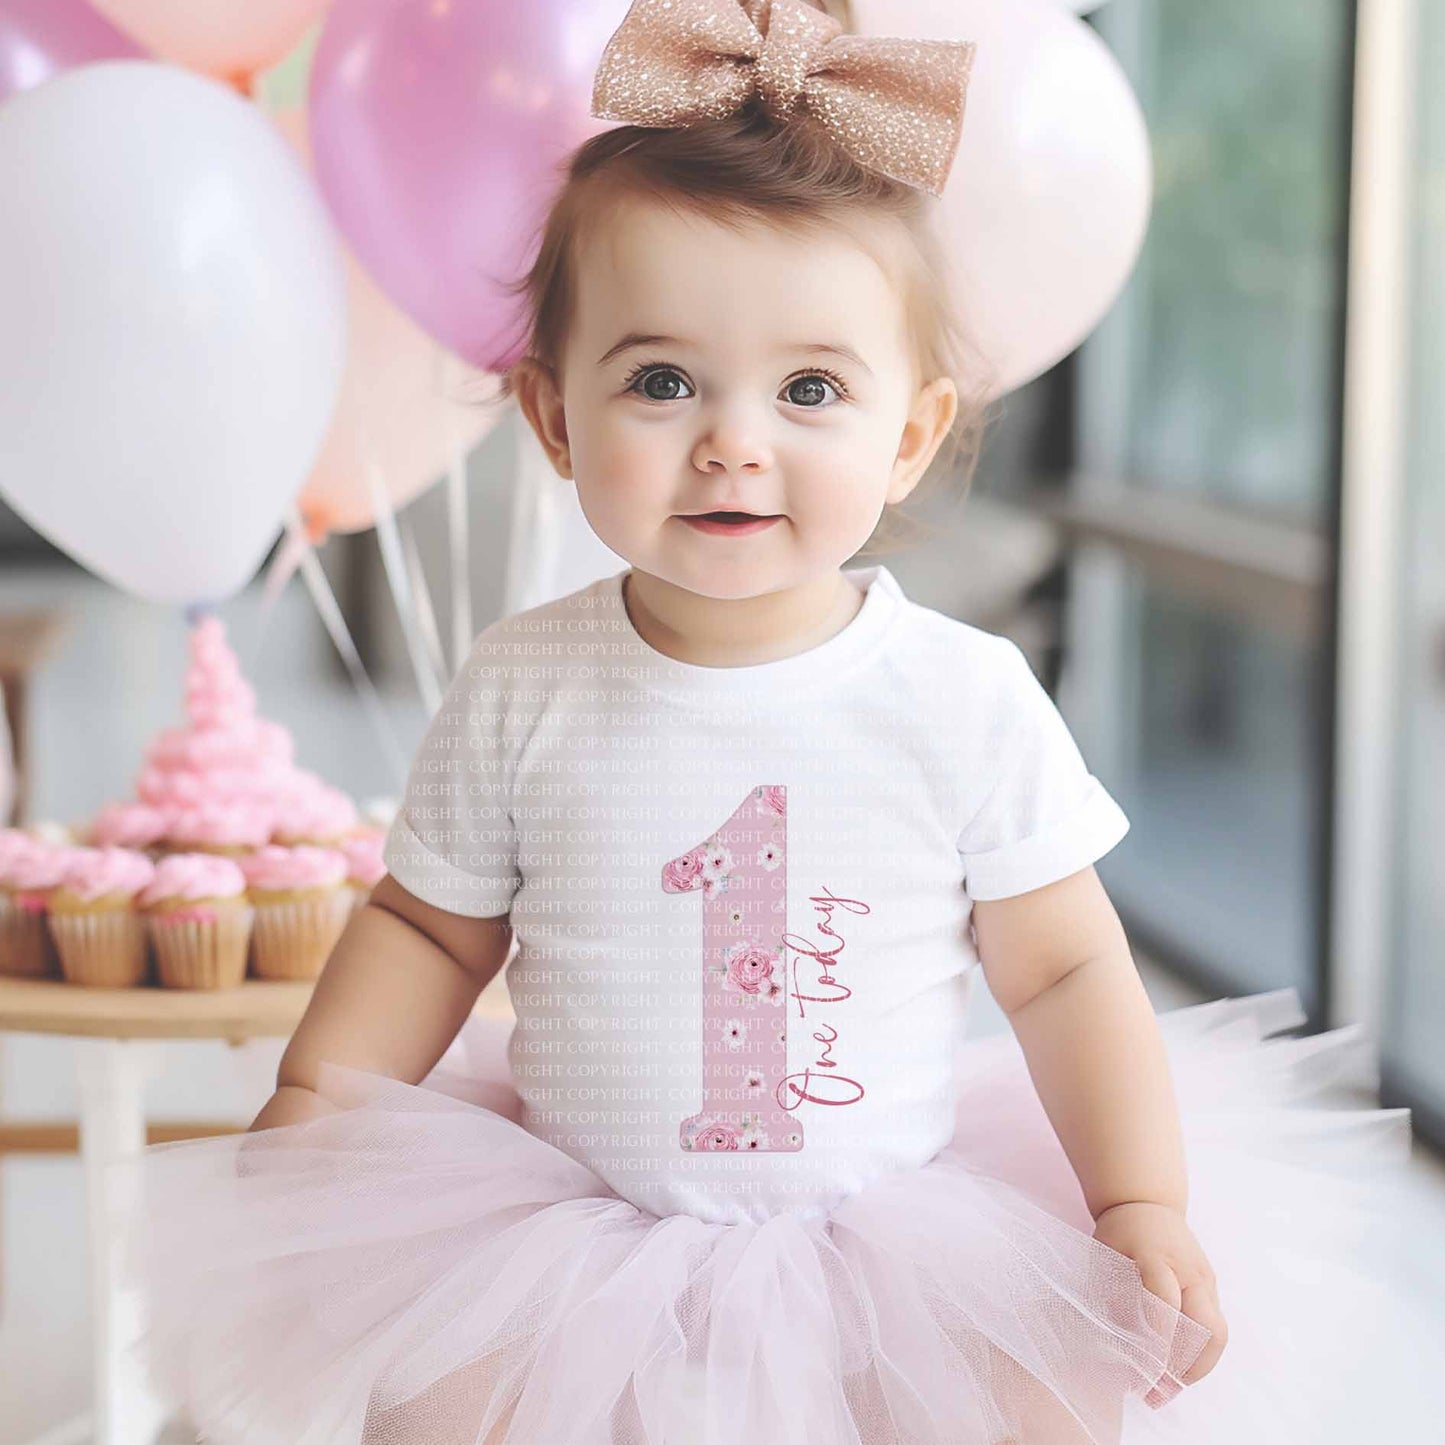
point(744, 1005)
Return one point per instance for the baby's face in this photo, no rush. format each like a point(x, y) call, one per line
point(730, 404)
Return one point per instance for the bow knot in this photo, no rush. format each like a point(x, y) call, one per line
point(895, 105)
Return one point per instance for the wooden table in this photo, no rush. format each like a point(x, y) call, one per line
point(117, 1034)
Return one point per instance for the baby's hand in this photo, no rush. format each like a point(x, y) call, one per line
point(1173, 1266)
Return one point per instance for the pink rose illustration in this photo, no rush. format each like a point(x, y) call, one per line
point(684, 874)
point(713, 1138)
point(774, 800)
point(751, 967)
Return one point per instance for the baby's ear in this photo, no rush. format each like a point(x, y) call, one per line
point(540, 401)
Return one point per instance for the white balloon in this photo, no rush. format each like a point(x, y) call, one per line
point(172, 325)
point(1047, 204)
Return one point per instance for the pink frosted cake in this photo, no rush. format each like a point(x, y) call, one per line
point(199, 919)
point(227, 779)
point(225, 783)
point(302, 905)
point(99, 932)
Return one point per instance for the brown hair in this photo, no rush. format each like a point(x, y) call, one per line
point(746, 170)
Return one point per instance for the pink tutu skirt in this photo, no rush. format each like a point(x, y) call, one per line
point(420, 1270)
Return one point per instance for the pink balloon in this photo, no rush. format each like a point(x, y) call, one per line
point(396, 412)
point(230, 38)
point(438, 130)
point(1049, 198)
point(41, 38)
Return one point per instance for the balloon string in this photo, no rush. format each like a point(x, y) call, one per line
point(425, 611)
point(391, 558)
point(314, 575)
point(283, 568)
point(457, 528)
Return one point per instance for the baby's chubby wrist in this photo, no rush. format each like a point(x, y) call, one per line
point(1174, 1206)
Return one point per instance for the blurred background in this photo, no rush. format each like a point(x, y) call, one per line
point(1215, 527)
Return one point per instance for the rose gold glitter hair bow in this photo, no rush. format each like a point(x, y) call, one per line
point(895, 105)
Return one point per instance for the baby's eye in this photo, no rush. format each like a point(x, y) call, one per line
point(641, 381)
point(814, 381)
point(656, 382)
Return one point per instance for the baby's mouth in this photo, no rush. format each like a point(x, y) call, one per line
point(723, 522)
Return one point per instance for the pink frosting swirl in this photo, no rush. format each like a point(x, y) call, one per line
point(363, 852)
point(221, 707)
point(192, 876)
point(13, 842)
point(99, 872)
point(204, 747)
point(275, 741)
point(222, 825)
point(170, 788)
point(129, 825)
point(217, 696)
point(37, 868)
point(274, 869)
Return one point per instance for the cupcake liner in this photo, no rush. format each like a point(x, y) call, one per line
point(293, 939)
point(26, 947)
point(193, 954)
point(106, 948)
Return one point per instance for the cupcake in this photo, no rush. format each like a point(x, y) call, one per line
point(199, 920)
point(13, 841)
point(30, 871)
point(136, 826)
point(99, 933)
point(315, 815)
point(228, 830)
point(365, 866)
point(302, 904)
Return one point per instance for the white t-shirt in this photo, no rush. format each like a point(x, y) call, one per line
point(742, 895)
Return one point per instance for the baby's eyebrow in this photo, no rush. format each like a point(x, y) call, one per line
point(637, 338)
point(819, 348)
point(823, 348)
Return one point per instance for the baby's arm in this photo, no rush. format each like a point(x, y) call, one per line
point(1057, 962)
point(395, 991)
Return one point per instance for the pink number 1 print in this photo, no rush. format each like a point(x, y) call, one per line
point(742, 873)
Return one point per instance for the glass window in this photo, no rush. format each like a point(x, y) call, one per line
point(1237, 302)
point(1218, 777)
point(1213, 394)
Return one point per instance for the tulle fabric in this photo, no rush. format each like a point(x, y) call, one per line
point(420, 1270)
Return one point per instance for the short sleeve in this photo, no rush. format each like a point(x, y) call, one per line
point(453, 842)
point(1040, 815)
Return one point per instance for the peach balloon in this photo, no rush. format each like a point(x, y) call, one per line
point(1049, 199)
point(405, 404)
point(229, 38)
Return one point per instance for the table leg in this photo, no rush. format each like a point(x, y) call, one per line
point(112, 1075)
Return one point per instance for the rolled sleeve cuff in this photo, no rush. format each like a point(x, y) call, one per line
point(440, 882)
point(1063, 848)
